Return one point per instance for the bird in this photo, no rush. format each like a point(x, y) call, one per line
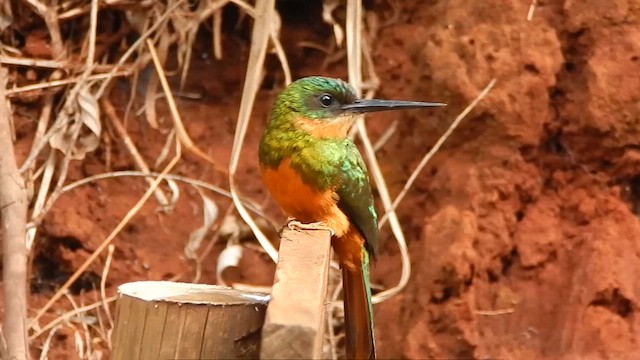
point(317, 176)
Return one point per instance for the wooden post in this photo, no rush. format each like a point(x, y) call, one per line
point(169, 320)
point(295, 322)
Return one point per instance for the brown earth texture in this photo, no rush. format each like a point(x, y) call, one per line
point(523, 230)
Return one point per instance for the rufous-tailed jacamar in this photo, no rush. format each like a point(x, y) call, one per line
point(316, 174)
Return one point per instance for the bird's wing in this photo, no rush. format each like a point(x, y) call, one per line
point(355, 198)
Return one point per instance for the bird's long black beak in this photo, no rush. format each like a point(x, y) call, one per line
point(371, 105)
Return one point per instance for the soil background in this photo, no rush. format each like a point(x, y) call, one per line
point(523, 230)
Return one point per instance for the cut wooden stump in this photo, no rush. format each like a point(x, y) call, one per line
point(169, 320)
point(295, 322)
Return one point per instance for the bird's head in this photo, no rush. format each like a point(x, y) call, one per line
point(326, 107)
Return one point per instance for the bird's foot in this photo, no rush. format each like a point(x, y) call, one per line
point(294, 224)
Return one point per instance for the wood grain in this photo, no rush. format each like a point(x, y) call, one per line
point(295, 322)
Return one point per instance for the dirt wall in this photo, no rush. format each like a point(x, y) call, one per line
point(528, 243)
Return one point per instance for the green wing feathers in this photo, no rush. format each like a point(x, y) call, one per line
point(355, 198)
point(336, 163)
point(356, 201)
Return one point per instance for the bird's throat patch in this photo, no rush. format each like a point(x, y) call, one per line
point(337, 127)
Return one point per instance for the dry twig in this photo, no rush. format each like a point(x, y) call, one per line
point(251, 205)
point(110, 111)
point(47, 343)
point(495, 312)
point(69, 315)
point(532, 9)
point(103, 293)
point(253, 78)
point(57, 83)
point(181, 131)
point(13, 205)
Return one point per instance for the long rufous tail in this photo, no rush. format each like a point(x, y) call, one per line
point(358, 311)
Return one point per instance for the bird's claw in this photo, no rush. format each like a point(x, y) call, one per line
point(294, 224)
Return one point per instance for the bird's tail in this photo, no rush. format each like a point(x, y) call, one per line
point(358, 310)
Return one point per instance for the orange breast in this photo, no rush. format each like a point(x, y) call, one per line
point(302, 201)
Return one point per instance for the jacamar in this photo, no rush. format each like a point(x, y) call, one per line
point(316, 174)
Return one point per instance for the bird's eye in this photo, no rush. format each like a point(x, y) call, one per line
point(325, 100)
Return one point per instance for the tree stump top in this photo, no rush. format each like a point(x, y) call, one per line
point(188, 293)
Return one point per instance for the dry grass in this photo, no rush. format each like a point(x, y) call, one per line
point(74, 99)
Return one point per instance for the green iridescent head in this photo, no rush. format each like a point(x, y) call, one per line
point(315, 97)
point(318, 97)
